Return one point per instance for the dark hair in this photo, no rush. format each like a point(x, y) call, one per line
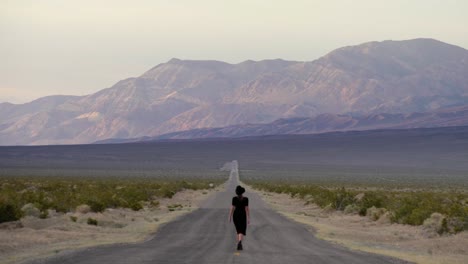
point(239, 190)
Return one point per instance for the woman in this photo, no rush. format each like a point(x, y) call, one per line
point(240, 211)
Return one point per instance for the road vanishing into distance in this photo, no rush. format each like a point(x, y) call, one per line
point(206, 236)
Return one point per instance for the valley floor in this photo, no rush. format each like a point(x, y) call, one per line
point(40, 238)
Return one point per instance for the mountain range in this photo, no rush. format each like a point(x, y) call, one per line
point(411, 83)
point(323, 123)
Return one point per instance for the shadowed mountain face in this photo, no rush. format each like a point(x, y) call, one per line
point(390, 77)
point(450, 117)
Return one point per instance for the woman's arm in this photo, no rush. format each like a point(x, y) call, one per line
point(248, 214)
point(231, 212)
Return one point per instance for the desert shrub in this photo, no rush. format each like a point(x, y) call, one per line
point(174, 207)
point(440, 224)
point(436, 223)
point(154, 203)
point(418, 215)
point(414, 207)
point(92, 221)
point(44, 214)
point(73, 218)
point(342, 198)
point(9, 212)
point(351, 209)
point(375, 213)
point(96, 206)
point(323, 198)
point(385, 218)
point(30, 210)
point(136, 206)
point(455, 225)
point(368, 200)
point(166, 192)
point(83, 209)
point(60, 208)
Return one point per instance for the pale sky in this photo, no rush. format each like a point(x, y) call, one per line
point(79, 47)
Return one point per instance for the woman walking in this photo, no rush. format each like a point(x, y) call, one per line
point(240, 213)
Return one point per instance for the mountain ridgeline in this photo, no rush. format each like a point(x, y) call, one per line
point(400, 80)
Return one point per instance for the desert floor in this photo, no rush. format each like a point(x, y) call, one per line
point(39, 238)
point(32, 238)
point(411, 243)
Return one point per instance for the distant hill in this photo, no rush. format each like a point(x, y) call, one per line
point(389, 77)
point(457, 116)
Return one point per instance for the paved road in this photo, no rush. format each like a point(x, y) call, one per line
point(206, 236)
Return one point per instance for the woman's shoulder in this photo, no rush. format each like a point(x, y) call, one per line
point(240, 199)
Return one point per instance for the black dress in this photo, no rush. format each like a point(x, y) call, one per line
point(240, 216)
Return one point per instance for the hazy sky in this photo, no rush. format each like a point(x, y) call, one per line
point(79, 47)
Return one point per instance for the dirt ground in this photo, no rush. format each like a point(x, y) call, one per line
point(32, 238)
point(361, 233)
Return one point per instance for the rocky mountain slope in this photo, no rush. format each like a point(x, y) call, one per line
point(450, 117)
point(389, 77)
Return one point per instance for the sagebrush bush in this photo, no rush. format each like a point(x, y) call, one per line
point(9, 212)
point(173, 207)
point(342, 198)
point(351, 209)
point(369, 200)
point(154, 203)
point(436, 223)
point(92, 221)
point(136, 206)
point(83, 209)
point(456, 224)
point(96, 206)
point(30, 209)
point(44, 214)
point(375, 213)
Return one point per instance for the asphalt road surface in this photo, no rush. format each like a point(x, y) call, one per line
point(206, 236)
